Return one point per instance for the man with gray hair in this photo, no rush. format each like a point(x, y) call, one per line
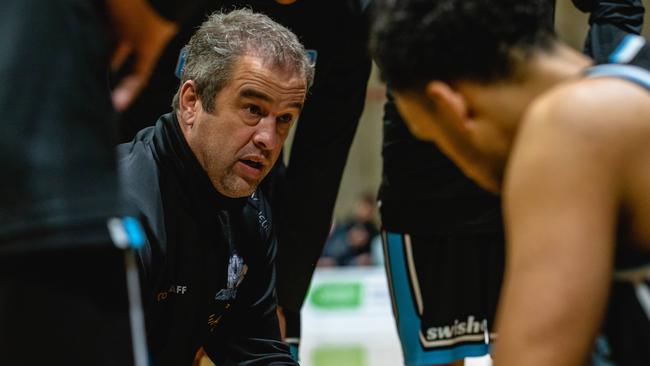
point(208, 266)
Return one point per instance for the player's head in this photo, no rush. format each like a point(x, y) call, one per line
point(440, 57)
point(242, 88)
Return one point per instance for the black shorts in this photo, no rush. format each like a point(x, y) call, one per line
point(444, 291)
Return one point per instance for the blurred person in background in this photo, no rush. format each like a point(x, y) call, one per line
point(64, 229)
point(350, 243)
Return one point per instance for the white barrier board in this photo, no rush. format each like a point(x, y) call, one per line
point(347, 320)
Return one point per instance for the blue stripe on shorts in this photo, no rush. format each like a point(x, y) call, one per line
point(408, 319)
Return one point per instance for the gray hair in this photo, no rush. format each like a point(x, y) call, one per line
point(217, 45)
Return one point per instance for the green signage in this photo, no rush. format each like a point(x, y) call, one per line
point(339, 356)
point(337, 295)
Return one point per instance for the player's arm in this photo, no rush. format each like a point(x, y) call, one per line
point(318, 155)
point(561, 198)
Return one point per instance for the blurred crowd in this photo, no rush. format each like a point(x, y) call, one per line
point(354, 241)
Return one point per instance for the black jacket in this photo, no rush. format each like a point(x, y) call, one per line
point(208, 266)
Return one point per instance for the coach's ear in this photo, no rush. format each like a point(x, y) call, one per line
point(188, 104)
point(451, 103)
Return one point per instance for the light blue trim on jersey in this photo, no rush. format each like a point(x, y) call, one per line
point(632, 73)
point(627, 49)
point(408, 319)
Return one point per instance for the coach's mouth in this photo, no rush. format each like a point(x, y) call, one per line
point(253, 164)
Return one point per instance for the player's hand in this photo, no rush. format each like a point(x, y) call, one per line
point(141, 33)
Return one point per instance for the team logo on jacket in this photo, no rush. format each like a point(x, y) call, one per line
point(236, 271)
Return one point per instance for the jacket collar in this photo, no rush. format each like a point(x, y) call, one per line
point(175, 153)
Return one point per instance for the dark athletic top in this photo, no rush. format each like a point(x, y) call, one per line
point(423, 192)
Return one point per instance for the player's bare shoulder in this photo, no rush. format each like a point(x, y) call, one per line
point(603, 109)
point(609, 116)
point(599, 128)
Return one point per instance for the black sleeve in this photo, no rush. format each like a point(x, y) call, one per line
point(610, 22)
point(320, 149)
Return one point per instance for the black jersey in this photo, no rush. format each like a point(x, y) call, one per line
point(59, 180)
point(625, 332)
point(208, 264)
point(422, 191)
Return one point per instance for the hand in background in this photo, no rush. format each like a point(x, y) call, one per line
point(141, 33)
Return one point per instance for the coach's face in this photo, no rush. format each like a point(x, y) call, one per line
point(240, 140)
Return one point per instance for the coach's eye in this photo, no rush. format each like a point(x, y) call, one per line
point(285, 118)
point(254, 110)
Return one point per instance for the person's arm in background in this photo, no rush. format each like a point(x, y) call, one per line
point(311, 183)
point(140, 32)
point(319, 152)
point(610, 21)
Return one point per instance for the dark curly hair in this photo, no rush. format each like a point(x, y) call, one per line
point(414, 41)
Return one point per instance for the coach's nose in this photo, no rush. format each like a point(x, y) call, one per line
point(266, 136)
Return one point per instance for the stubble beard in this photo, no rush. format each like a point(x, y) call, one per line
point(234, 186)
